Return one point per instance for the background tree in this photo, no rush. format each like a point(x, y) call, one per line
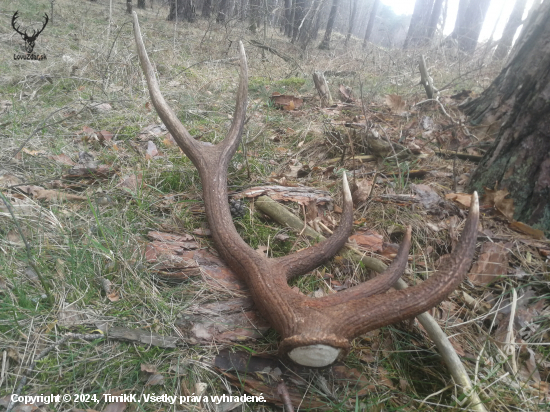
point(514, 21)
point(469, 21)
point(141, 4)
point(419, 23)
point(370, 24)
point(325, 44)
point(352, 18)
point(129, 6)
point(222, 11)
point(206, 9)
point(519, 159)
point(434, 19)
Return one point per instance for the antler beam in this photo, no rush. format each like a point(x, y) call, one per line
point(314, 332)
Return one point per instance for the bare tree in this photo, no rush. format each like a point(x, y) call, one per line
point(419, 23)
point(469, 21)
point(325, 44)
point(287, 20)
point(298, 14)
point(222, 11)
point(514, 21)
point(370, 24)
point(352, 18)
point(141, 4)
point(434, 19)
point(129, 6)
point(515, 108)
point(206, 9)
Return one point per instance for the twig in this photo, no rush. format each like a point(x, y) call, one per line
point(510, 347)
point(282, 390)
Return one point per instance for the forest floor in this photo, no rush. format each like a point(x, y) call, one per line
point(110, 282)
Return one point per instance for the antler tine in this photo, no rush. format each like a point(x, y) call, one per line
point(379, 284)
point(308, 259)
point(382, 310)
point(189, 145)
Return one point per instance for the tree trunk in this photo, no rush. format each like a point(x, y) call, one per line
point(370, 24)
point(434, 19)
point(222, 11)
point(352, 15)
point(516, 107)
point(288, 18)
point(129, 6)
point(472, 22)
point(254, 15)
point(309, 25)
point(206, 9)
point(298, 12)
point(510, 29)
point(416, 34)
point(325, 44)
point(141, 4)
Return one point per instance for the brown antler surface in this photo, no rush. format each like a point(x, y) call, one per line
point(314, 332)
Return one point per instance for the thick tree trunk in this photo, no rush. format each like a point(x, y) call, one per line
point(298, 11)
point(308, 27)
point(471, 24)
point(516, 107)
point(370, 24)
point(434, 19)
point(510, 29)
point(206, 9)
point(222, 11)
point(352, 15)
point(419, 23)
point(141, 4)
point(129, 6)
point(288, 18)
point(325, 44)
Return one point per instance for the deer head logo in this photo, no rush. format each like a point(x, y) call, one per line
point(29, 39)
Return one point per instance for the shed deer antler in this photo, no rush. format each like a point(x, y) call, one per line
point(314, 332)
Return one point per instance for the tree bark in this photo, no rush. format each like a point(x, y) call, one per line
point(370, 24)
point(308, 27)
point(298, 11)
point(416, 34)
point(510, 29)
point(141, 4)
point(129, 6)
point(288, 18)
point(222, 11)
point(516, 107)
point(434, 19)
point(471, 23)
point(325, 44)
point(206, 9)
point(352, 15)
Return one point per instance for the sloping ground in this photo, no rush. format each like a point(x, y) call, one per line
point(93, 181)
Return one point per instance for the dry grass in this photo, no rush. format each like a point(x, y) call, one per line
point(79, 245)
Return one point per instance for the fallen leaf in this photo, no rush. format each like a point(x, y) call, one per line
point(151, 150)
point(63, 159)
point(463, 199)
point(395, 103)
point(360, 191)
point(155, 379)
point(290, 102)
point(368, 239)
point(491, 264)
point(496, 199)
point(115, 407)
point(527, 230)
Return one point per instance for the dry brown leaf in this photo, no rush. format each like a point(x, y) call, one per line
point(491, 264)
point(152, 151)
point(368, 239)
point(497, 199)
point(155, 379)
point(33, 152)
point(115, 407)
point(463, 199)
point(527, 230)
point(360, 191)
point(63, 159)
point(395, 103)
point(131, 182)
point(282, 100)
point(149, 368)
